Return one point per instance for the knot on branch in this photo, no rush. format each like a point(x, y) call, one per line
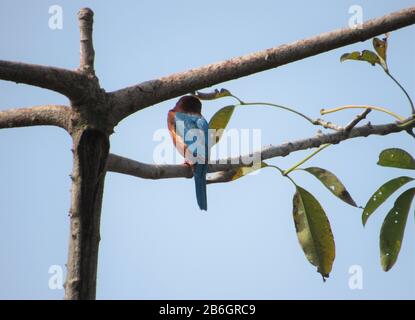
point(86, 14)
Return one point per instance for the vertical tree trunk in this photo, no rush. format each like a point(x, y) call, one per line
point(90, 153)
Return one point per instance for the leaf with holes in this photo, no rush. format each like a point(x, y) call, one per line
point(393, 228)
point(332, 183)
point(313, 231)
point(219, 121)
point(382, 194)
point(396, 158)
point(365, 55)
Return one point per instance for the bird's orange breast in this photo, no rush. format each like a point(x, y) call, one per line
point(177, 140)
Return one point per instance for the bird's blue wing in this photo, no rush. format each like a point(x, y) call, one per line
point(203, 125)
point(201, 166)
point(193, 129)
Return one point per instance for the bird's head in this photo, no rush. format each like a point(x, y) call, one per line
point(188, 104)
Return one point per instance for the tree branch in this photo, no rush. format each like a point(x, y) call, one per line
point(131, 99)
point(67, 82)
point(50, 115)
point(76, 85)
point(357, 119)
point(130, 167)
point(327, 124)
point(87, 53)
point(90, 153)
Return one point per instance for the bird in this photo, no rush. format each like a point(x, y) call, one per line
point(189, 132)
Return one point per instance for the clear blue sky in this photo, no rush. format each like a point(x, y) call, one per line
point(156, 244)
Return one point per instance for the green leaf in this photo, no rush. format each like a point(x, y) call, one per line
point(214, 95)
point(350, 56)
point(396, 158)
point(382, 194)
point(313, 231)
point(332, 183)
point(366, 55)
point(219, 121)
point(393, 228)
point(243, 171)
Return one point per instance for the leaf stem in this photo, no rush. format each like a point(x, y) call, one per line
point(324, 146)
point(282, 173)
point(277, 106)
point(381, 109)
point(407, 123)
point(239, 100)
point(403, 89)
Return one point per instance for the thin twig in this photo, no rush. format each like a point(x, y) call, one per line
point(356, 120)
point(327, 125)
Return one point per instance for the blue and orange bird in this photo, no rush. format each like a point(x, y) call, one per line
point(189, 131)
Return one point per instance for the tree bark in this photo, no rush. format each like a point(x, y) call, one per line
point(50, 115)
point(91, 149)
point(70, 83)
point(90, 136)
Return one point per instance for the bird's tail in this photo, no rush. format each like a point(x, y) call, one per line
point(200, 184)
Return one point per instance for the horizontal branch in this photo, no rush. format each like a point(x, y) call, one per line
point(131, 99)
point(130, 167)
point(225, 166)
point(50, 115)
point(70, 83)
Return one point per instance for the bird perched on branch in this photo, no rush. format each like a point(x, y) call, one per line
point(189, 131)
